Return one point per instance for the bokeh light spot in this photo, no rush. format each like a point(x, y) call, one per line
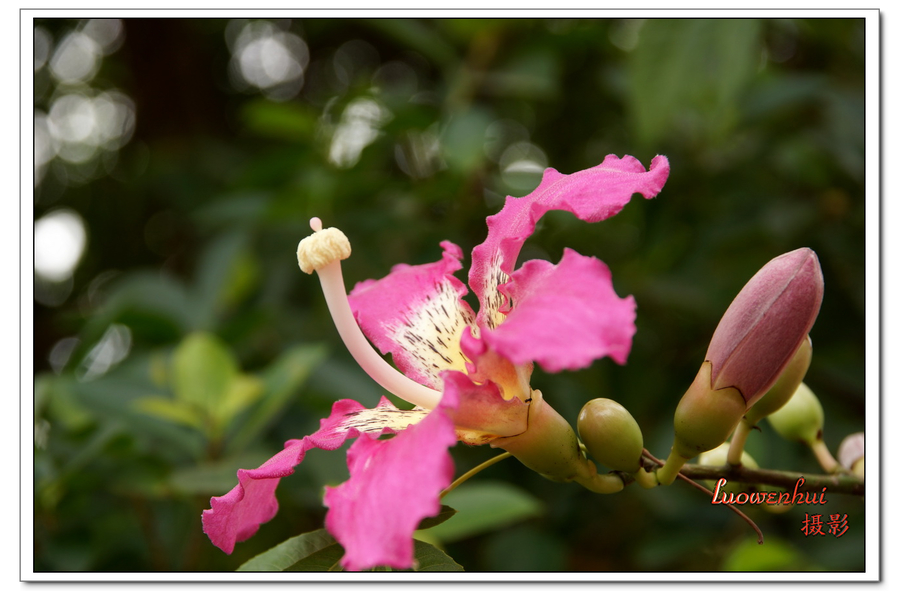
point(112, 349)
point(59, 242)
point(77, 58)
point(43, 42)
point(359, 127)
point(269, 59)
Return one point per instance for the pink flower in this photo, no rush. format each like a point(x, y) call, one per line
point(468, 373)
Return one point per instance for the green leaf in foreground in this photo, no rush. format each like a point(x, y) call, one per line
point(485, 506)
point(289, 553)
point(429, 522)
point(317, 551)
point(429, 558)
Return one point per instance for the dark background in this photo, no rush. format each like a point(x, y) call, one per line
point(193, 218)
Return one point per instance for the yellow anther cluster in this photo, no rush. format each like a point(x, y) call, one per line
point(322, 248)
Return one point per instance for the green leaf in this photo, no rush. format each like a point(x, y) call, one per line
point(280, 381)
point(532, 74)
point(227, 273)
point(429, 522)
point(463, 139)
point(170, 410)
point(53, 397)
point(112, 398)
point(213, 479)
point(485, 506)
point(318, 551)
point(418, 36)
point(774, 555)
point(687, 75)
point(154, 306)
point(429, 558)
point(280, 120)
point(326, 559)
point(306, 549)
point(203, 371)
point(244, 391)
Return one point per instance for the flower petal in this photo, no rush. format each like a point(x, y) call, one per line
point(482, 415)
point(592, 195)
point(237, 515)
point(393, 485)
point(564, 316)
point(513, 380)
point(416, 313)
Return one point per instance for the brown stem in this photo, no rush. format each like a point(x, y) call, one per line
point(759, 534)
point(837, 483)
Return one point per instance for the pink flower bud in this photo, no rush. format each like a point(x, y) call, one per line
point(766, 324)
point(757, 337)
point(852, 453)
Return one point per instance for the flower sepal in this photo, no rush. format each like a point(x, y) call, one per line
point(704, 419)
point(550, 447)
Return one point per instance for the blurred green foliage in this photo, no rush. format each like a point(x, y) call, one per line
point(190, 344)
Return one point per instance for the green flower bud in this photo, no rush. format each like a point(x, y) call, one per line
point(785, 387)
point(801, 419)
point(704, 419)
point(611, 435)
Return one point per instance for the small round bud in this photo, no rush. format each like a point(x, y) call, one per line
point(611, 435)
point(322, 248)
point(852, 453)
point(801, 419)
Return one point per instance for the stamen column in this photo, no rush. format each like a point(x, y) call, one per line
point(323, 252)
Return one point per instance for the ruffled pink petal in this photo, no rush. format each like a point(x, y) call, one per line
point(393, 485)
point(237, 515)
point(592, 195)
point(417, 314)
point(564, 316)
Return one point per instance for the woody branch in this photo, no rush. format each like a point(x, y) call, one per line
point(836, 483)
